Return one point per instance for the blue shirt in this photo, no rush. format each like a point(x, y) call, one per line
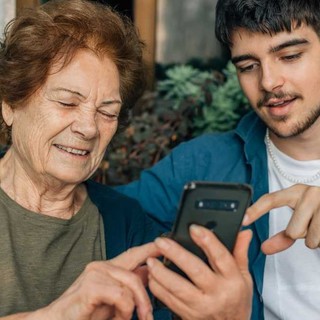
point(236, 156)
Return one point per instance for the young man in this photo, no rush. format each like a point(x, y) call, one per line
point(275, 47)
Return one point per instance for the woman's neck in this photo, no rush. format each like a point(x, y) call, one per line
point(40, 194)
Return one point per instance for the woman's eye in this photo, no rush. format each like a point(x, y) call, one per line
point(65, 104)
point(109, 116)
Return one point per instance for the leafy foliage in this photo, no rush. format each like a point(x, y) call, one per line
point(187, 103)
point(184, 83)
point(217, 98)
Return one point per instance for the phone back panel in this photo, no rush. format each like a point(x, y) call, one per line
point(217, 206)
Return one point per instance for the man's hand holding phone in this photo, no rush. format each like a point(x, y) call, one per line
point(220, 290)
point(201, 278)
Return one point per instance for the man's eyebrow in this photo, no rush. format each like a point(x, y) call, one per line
point(290, 43)
point(287, 44)
point(243, 57)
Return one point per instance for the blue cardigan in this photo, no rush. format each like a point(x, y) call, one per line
point(126, 225)
point(236, 156)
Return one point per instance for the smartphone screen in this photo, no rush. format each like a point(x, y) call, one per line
point(219, 207)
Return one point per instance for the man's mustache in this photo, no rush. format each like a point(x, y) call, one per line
point(279, 95)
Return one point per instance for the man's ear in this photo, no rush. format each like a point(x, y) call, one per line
point(7, 114)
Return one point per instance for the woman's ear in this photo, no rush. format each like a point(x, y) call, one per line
point(7, 114)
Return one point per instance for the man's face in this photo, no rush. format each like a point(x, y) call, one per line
point(280, 75)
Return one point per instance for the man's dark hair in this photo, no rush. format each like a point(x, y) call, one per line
point(264, 16)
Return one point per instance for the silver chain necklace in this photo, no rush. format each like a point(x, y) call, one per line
point(282, 172)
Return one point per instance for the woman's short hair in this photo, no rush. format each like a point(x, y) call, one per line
point(38, 38)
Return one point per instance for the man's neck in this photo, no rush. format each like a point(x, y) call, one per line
point(305, 146)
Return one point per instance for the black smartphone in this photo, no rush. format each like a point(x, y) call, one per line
point(219, 207)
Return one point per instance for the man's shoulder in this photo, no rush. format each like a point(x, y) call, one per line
point(210, 144)
point(247, 127)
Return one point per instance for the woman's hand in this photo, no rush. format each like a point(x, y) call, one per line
point(223, 291)
point(106, 290)
point(305, 220)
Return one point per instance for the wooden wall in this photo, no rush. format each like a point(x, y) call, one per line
point(145, 12)
point(185, 29)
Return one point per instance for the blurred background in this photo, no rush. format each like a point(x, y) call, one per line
point(192, 87)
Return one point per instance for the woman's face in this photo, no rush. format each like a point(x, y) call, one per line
point(63, 131)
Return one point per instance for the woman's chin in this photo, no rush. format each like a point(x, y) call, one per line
point(71, 177)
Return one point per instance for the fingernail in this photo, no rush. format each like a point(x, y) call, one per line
point(245, 220)
point(150, 262)
point(197, 231)
point(162, 243)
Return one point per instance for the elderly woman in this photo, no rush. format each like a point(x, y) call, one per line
point(69, 72)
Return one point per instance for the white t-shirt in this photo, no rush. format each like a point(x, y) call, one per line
point(291, 286)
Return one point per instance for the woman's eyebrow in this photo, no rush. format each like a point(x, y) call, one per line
point(107, 102)
point(68, 90)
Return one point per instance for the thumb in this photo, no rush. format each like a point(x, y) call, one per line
point(277, 243)
point(136, 256)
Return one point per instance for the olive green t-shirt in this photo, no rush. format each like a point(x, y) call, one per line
point(41, 256)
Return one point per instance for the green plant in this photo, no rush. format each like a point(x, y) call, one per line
point(228, 105)
point(217, 98)
point(185, 83)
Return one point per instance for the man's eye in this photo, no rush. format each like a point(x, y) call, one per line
point(248, 68)
point(292, 57)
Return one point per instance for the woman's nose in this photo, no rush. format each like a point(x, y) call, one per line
point(85, 125)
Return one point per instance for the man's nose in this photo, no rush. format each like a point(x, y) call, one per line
point(271, 78)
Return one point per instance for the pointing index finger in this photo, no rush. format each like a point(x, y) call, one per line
point(134, 257)
point(285, 197)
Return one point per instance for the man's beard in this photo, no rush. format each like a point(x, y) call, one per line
point(299, 127)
